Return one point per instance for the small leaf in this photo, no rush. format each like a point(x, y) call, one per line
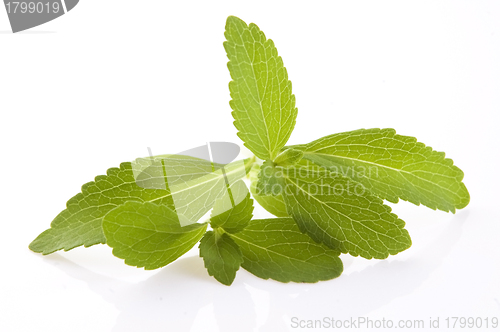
point(270, 177)
point(392, 166)
point(288, 157)
point(277, 249)
point(270, 180)
point(272, 203)
point(149, 235)
point(233, 218)
point(342, 214)
point(221, 256)
point(262, 101)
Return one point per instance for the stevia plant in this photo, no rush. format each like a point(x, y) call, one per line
point(327, 195)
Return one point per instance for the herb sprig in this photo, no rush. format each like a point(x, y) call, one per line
point(327, 194)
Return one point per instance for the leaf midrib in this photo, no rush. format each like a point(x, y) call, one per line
point(272, 251)
point(259, 98)
point(217, 178)
point(387, 167)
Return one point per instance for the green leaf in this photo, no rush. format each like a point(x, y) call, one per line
point(81, 222)
point(196, 196)
point(272, 203)
point(277, 249)
point(288, 157)
point(342, 214)
point(233, 218)
point(262, 101)
point(270, 179)
point(221, 256)
point(392, 166)
point(149, 235)
point(144, 180)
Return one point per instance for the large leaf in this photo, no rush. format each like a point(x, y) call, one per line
point(81, 222)
point(149, 235)
point(392, 166)
point(143, 181)
point(221, 256)
point(341, 213)
point(277, 249)
point(262, 100)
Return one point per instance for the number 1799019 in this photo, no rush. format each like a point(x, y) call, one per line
point(32, 7)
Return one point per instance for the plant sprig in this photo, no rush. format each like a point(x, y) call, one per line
point(327, 195)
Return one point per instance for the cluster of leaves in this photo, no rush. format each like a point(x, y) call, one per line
point(327, 195)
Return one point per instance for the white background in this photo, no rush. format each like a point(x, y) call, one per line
point(110, 78)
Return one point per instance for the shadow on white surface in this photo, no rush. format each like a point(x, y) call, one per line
point(184, 297)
